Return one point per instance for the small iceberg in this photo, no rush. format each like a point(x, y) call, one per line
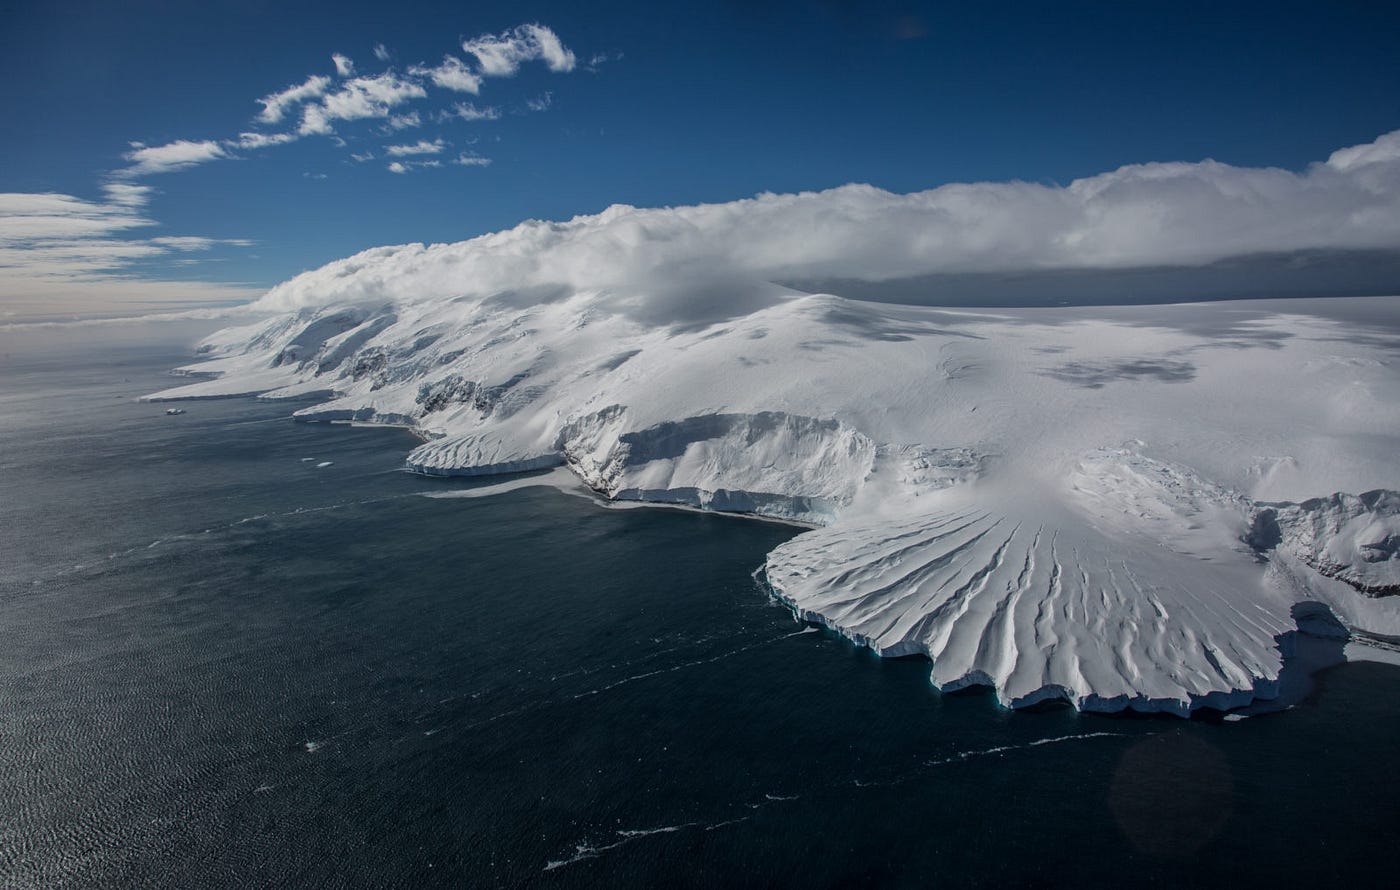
point(174, 411)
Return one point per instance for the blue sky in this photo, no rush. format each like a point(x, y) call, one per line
point(609, 103)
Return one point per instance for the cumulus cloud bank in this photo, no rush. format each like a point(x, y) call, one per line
point(1173, 214)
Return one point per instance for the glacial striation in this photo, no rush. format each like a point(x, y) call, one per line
point(1120, 508)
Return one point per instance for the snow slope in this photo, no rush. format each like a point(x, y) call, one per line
point(1122, 508)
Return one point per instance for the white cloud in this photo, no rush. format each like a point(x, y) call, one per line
point(62, 234)
point(35, 217)
point(250, 141)
point(276, 105)
point(1174, 214)
point(406, 166)
point(60, 238)
point(1385, 150)
point(71, 258)
point(501, 55)
point(452, 74)
point(540, 103)
point(127, 195)
point(598, 59)
point(194, 242)
point(178, 155)
point(61, 254)
point(405, 121)
point(362, 97)
point(469, 112)
point(421, 147)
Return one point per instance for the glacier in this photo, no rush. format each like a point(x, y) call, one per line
point(1119, 508)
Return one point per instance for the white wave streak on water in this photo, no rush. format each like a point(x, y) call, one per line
point(1001, 749)
point(964, 756)
point(650, 656)
point(283, 418)
point(534, 706)
point(246, 520)
point(514, 712)
point(584, 851)
point(683, 665)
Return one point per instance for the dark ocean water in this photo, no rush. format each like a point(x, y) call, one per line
point(223, 665)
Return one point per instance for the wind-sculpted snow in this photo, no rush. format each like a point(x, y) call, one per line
point(1120, 508)
point(1039, 609)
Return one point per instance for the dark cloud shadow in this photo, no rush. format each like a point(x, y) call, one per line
point(1096, 375)
point(869, 324)
point(1331, 273)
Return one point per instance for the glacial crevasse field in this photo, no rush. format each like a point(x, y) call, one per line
point(1127, 508)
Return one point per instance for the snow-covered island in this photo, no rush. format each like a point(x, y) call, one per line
point(1127, 507)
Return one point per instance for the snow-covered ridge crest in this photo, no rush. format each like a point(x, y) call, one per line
point(1353, 538)
point(1063, 504)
